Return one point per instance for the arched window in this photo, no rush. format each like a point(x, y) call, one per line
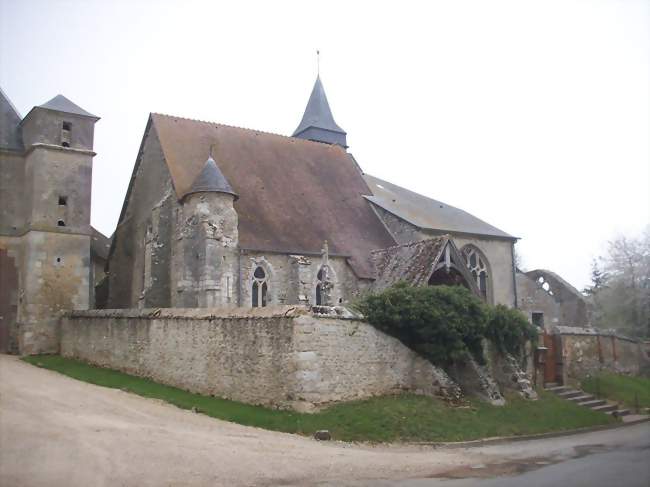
point(319, 287)
point(478, 267)
point(260, 288)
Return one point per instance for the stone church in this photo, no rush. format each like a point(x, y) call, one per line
point(218, 216)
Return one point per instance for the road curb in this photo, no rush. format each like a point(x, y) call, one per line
point(540, 436)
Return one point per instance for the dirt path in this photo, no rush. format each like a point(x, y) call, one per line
point(56, 431)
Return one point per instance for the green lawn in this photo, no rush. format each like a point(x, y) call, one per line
point(620, 388)
point(390, 418)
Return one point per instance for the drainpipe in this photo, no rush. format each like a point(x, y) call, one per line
point(514, 273)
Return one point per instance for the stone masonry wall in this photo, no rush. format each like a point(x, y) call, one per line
point(586, 352)
point(277, 356)
point(292, 278)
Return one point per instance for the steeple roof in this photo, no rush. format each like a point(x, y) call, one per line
point(10, 137)
point(211, 180)
point(61, 104)
point(318, 123)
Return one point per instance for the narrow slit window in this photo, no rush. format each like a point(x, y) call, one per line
point(66, 130)
point(319, 298)
point(63, 201)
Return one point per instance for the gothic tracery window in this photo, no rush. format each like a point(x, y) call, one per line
point(260, 288)
point(477, 265)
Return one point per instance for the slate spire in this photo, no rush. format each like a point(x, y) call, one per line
point(211, 180)
point(318, 123)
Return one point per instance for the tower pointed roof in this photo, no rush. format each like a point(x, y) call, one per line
point(317, 122)
point(61, 104)
point(211, 180)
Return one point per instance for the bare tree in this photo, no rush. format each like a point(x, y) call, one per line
point(621, 286)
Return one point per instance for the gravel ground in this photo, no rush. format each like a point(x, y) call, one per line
point(56, 431)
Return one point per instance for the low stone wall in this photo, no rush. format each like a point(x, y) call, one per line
point(586, 351)
point(279, 356)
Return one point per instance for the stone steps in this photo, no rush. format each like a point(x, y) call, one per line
point(593, 403)
point(570, 394)
point(605, 408)
point(557, 389)
point(582, 398)
point(585, 400)
point(620, 412)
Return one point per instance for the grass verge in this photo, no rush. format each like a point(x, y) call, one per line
point(631, 391)
point(381, 419)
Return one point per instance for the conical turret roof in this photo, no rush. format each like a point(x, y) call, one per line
point(211, 180)
point(318, 122)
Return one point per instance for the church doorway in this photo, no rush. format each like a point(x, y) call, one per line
point(448, 277)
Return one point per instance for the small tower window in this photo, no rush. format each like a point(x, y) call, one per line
point(63, 201)
point(60, 223)
point(66, 130)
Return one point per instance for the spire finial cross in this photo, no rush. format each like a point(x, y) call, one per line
point(318, 62)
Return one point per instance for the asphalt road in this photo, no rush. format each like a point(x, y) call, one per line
point(56, 431)
point(618, 463)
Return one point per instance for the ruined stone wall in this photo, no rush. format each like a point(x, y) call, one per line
point(279, 356)
point(541, 291)
point(587, 351)
point(533, 299)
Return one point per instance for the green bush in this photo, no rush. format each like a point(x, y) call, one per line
point(441, 323)
point(508, 329)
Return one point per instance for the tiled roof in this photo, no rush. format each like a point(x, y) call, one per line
point(427, 213)
point(294, 193)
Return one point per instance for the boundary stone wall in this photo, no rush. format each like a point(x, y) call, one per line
point(586, 351)
point(281, 356)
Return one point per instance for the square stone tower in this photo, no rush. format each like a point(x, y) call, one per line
point(54, 261)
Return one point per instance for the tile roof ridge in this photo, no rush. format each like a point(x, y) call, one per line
point(247, 129)
point(413, 243)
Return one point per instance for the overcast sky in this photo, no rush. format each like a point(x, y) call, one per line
point(534, 116)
